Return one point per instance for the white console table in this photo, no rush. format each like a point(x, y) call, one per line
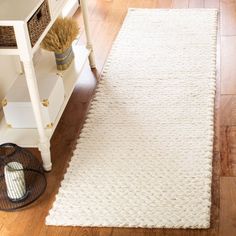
point(16, 13)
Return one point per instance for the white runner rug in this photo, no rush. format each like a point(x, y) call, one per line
point(144, 156)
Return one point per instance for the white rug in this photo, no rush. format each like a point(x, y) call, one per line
point(144, 156)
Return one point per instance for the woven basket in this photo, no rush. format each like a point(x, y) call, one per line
point(7, 36)
point(36, 25)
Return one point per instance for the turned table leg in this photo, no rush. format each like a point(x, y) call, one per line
point(44, 144)
point(24, 46)
point(84, 8)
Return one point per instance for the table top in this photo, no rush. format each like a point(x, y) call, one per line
point(18, 10)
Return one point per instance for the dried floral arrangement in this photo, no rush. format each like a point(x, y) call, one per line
point(60, 37)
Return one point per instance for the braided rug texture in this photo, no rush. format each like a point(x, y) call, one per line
point(144, 156)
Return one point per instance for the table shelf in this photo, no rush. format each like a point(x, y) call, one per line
point(46, 65)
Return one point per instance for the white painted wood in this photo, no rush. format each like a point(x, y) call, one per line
point(15, 10)
point(54, 14)
point(18, 18)
point(9, 51)
point(47, 65)
point(18, 110)
point(8, 73)
point(22, 137)
point(23, 42)
point(44, 144)
point(71, 76)
point(19, 65)
point(84, 8)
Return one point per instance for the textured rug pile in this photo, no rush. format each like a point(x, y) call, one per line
point(144, 156)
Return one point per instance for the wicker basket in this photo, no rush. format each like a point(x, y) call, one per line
point(36, 25)
point(7, 36)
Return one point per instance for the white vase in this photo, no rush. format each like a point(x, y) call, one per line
point(15, 181)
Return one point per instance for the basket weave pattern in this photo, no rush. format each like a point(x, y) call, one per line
point(7, 36)
point(38, 22)
point(36, 25)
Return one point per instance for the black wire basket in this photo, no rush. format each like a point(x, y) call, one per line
point(22, 178)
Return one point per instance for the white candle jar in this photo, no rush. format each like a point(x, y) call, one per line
point(15, 181)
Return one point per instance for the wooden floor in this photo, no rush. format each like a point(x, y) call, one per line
point(106, 18)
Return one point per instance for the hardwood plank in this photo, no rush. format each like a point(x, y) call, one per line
point(217, 110)
point(100, 10)
point(228, 206)
point(228, 151)
point(212, 4)
point(217, 99)
point(228, 68)
point(215, 191)
point(95, 231)
point(135, 3)
point(217, 134)
point(104, 31)
point(228, 17)
point(150, 3)
point(228, 110)
point(180, 3)
point(196, 4)
point(164, 3)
